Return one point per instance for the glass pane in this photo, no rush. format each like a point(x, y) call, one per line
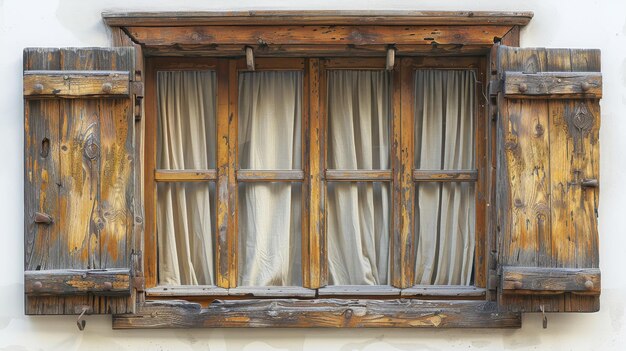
point(444, 224)
point(358, 233)
point(270, 231)
point(444, 117)
point(270, 109)
point(186, 119)
point(185, 227)
point(359, 119)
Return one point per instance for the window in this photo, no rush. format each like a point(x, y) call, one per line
point(353, 170)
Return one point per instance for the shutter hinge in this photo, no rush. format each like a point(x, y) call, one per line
point(495, 86)
point(139, 283)
point(492, 280)
point(137, 90)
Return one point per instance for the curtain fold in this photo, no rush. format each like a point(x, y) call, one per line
point(358, 213)
point(270, 213)
point(185, 140)
point(444, 214)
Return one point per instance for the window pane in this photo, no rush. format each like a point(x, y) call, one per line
point(270, 230)
point(444, 223)
point(359, 118)
point(186, 119)
point(358, 233)
point(270, 120)
point(185, 227)
point(444, 116)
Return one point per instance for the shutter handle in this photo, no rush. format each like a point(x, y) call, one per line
point(589, 183)
point(43, 218)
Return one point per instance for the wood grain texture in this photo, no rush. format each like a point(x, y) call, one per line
point(312, 17)
point(360, 175)
point(109, 282)
point(329, 313)
point(546, 213)
point(321, 35)
point(86, 184)
point(520, 280)
point(553, 85)
point(76, 83)
point(248, 175)
point(420, 175)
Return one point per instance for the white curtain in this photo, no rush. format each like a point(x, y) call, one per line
point(444, 213)
point(185, 140)
point(270, 213)
point(358, 213)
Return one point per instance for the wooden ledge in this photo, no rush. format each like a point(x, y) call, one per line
point(328, 313)
point(201, 18)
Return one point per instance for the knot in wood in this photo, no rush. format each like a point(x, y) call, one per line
point(348, 313)
point(92, 150)
point(539, 129)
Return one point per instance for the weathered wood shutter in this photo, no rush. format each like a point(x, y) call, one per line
point(547, 178)
point(79, 180)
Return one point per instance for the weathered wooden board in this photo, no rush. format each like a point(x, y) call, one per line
point(547, 176)
point(166, 175)
point(519, 280)
point(329, 313)
point(358, 175)
point(445, 176)
point(109, 282)
point(79, 171)
point(320, 35)
point(76, 83)
point(553, 85)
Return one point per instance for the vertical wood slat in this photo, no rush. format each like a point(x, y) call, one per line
point(150, 242)
point(567, 237)
point(91, 146)
point(482, 190)
point(323, 134)
point(223, 173)
point(233, 225)
point(314, 236)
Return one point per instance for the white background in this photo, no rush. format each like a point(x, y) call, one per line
point(574, 23)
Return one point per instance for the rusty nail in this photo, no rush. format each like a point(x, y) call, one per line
point(107, 286)
point(517, 285)
point(37, 285)
point(523, 87)
point(349, 313)
point(585, 86)
point(38, 88)
point(589, 285)
point(107, 87)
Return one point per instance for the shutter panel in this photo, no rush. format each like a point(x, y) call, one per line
point(79, 180)
point(547, 179)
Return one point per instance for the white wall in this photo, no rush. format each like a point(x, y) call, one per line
point(574, 23)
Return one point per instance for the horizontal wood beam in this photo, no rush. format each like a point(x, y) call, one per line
point(530, 280)
point(302, 50)
point(270, 176)
point(563, 85)
point(321, 35)
point(445, 176)
point(164, 175)
point(76, 83)
point(448, 291)
point(359, 290)
point(477, 18)
point(360, 175)
point(331, 313)
point(108, 282)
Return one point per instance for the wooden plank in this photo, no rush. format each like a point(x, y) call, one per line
point(420, 175)
point(233, 209)
point(330, 313)
point(395, 242)
point(520, 280)
point(196, 175)
point(323, 35)
point(208, 51)
point(358, 175)
point(323, 125)
point(76, 83)
point(108, 282)
point(248, 175)
point(222, 253)
point(482, 187)
point(149, 165)
point(555, 85)
point(305, 154)
point(444, 291)
point(315, 17)
point(358, 290)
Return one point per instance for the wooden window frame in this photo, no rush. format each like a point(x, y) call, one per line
point(468, 36)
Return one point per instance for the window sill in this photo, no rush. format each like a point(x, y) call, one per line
point(328, 313)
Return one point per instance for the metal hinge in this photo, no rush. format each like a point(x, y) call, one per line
point(495, 86)
point(137, 89)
